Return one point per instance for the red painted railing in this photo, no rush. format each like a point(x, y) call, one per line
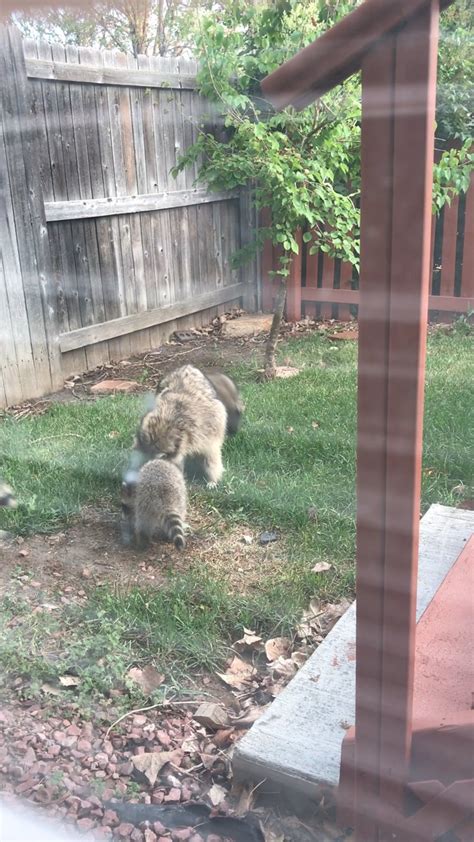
point(321, 287)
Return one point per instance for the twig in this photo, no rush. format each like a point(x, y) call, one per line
point(165, 703)
point(131, 712)
point(59, 436)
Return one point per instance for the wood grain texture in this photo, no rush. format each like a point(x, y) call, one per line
point(140, 321)
point(95, 74)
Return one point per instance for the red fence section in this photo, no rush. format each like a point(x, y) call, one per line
point(324, 288)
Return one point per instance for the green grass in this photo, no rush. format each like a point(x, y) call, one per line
point(296, 450)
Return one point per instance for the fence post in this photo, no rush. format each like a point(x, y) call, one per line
point(293, 294)
point(249, 272)
point(26, 199)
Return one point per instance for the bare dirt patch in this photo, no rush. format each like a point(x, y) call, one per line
point(90, 551)
point(213, 347)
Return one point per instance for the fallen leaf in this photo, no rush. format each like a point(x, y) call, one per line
point(246, 801)
point(283, 668)
point(149, 679)
point(150, 765)
point(299, 658)
point(239, 674)
point(50, 690)
point(250, 640)
point(208, 760)
point(217, 794)
point(275, 647)
point(223, 737)
point(315, 425)
point(321, 567)
point(69, 680)
point(270, 835)
point(240, 667)
point(190, 745)
point(249, 718)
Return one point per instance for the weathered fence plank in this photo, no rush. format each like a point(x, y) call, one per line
point(94, 74)
point(101, 245)
point(141, 203)
point(20, 143)
point(140, 321)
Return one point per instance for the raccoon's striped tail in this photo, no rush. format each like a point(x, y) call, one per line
point(175, 530)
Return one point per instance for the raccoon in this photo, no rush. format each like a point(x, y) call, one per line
point(188, 420)
point(7, 497)
point(154, 503)
point(224, 388)
point(227, 392)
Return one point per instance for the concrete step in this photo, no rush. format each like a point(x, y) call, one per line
point(297, 743)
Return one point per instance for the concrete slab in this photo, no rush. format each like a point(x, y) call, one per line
point(444, 661)
point(248, 325)
point(297, 742)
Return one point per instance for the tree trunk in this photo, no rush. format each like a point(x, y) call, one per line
point(270, 366)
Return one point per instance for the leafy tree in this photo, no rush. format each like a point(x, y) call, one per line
point(147, 27)
point(304, 167)
point(455, 94)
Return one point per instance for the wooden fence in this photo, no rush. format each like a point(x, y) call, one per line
point(321, 287)
point(104, 253)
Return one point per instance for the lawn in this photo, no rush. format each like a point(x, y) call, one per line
point(291, 470)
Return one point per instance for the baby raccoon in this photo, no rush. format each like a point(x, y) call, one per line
point(154, 502)
point(7, 498)
point(188, 420)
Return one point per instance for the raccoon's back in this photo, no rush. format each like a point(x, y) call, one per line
point(187, 379)
point(160, 502)
point(161, 486)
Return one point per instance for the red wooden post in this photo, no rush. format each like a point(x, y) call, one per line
point(293, 292)
point(467, 282)
point(267, 265)
point(398, 84)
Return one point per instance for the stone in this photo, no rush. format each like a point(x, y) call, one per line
point(173, 795)
point(182, 833)
point(85, 825)
point(110, 818)
point(211, 715)
point(268, 538)
point(163, 738)
point(125, 829)
point(106, 387)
